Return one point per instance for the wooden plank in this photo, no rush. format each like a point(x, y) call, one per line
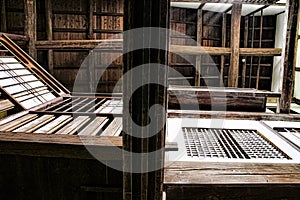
point(18, 122)
point(94, 127)
point(292, 8)
point(54, 125)
point(30, 26)
point(15, 37)
point(72, 127)
point(114, 128)
point(232, 115)
point(59, 146)
point(235, 45)
point(257, 2)
point(6, 105)
point(12, 117)
point(35, 124)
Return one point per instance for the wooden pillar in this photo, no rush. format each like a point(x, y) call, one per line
point(30, 25)
point(235, 45)
point(137, 14)
point(292, 8)
point(3, 16)
point(49, 31)
point(245, 57)
point(224, 33)
point(199, 42)
point(90, 19)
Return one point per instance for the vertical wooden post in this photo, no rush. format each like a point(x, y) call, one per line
point(224, 33)
point(199, 42)
point(90, 19)
point(245, 57)
point(233, 78)
point(252, 45)
point(3, 16)
point(138, 14)
point(260, 42)
point(48, 9)
point(30, 26)
point(292, 7)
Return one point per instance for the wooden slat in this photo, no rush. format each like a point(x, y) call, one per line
point(17, 122)
point(54, 125)
point(35, 124)
point(94, 127)
point(12, 117)
point(114, 128)
point(74, 126)
point(6, 105)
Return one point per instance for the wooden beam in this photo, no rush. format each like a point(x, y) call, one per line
point(15, 37)
point(292, 8)
point(30, 26)
point(233, 115)
point(3, 16)
point(260, 42)
point(199, 43)
point(80, 44)
point(194, 50)
point(147, 182)
point(49, 32)
point(235, 45)
point(259, 2)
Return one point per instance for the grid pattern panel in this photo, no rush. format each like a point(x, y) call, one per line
point(20, 83)
point(229, 143)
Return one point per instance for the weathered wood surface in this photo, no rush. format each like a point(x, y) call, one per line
point(54, 125)
point(289, 56)
point(6, 105)
point(194, 50)
point(109, 44)
point(204, 180)
point(94, 127)
point(17, 122)
point(31, 26)
point(114, 128)
point(66, 146)
point(35, 124)
point(222, 99)
point(233, 73)
point(72, 127)
point(259, 2)
point(232, 115)
point(15, 37)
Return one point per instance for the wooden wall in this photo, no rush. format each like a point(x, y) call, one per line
point(82, 20)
